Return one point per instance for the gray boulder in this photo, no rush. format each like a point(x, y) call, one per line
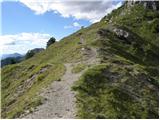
point(121, 33)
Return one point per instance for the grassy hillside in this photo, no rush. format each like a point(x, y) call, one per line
point(126, 83)
point(39, 71)
point(123, 85)
point(21, 84)
point(112, 91)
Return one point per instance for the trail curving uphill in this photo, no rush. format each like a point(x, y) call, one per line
point(60, 101)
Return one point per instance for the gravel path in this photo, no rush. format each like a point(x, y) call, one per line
point(60, 101)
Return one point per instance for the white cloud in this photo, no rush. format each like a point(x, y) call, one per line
point(92, 10)
point(22, 42)
point(74, 25)
point(68, 26)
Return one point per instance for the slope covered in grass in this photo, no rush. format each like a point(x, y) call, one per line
point(23, 82)
point(112, 91)
point(123, 85)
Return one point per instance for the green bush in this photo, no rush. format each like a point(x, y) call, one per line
point(51, 41)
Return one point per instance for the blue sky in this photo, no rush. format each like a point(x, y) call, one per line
point(23, 19)
point(27, 24)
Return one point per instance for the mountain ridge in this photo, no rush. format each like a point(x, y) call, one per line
point(3, 56)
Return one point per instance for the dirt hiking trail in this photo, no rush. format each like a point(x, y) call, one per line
point(60, 99)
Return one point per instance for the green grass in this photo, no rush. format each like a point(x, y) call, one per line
point(136, 18)
point(13, 106)
point(105, 91)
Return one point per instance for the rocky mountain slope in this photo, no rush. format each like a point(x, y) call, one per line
point(115, 71)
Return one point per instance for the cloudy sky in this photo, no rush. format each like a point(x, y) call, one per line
point(28, 24)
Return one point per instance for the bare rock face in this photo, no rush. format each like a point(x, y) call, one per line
point(147, 4)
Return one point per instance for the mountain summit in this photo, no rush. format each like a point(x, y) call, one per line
point(108, 70)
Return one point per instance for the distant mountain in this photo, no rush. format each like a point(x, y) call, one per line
point(11, 60)
point(14, 55)
point(7, 59)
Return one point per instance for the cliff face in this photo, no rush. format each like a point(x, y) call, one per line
point(147, 4)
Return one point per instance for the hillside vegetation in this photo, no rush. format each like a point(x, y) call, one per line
point(23, 82)
point(123, 85)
